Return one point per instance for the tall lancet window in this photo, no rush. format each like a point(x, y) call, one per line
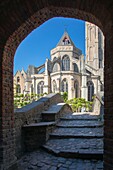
point(54, 86)
point(76, 86)
point(65, 63)
point(31, 88)
point(90, 86)
point(64, 86)
point(18, 79)
point(40, 87)
point(18, 88)
point(55, 67)
point(75, 68)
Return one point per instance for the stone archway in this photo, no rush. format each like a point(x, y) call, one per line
point(17, 20)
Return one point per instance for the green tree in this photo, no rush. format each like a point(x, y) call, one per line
point(78, 103)
point(65, 96)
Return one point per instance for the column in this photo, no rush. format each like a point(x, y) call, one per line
point(34, 85)
point(84, 90)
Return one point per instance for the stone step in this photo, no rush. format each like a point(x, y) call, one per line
point(78, 124)
point(55, 136)
point(76, 148)
point(60, 133)
point(80, 116)
point(40, 124)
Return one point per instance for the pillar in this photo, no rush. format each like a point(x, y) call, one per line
point(84, 90)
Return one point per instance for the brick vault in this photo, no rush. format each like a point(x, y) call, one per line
point(17, 19)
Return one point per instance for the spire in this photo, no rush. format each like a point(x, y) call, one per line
point(65, 40)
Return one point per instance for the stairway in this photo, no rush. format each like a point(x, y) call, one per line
point(77, 135)
point(36, 134)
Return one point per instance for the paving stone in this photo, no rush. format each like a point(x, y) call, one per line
point(68, 162)
point(53, 168)
point(71, 162)
point(62, 168)
point(45, 167)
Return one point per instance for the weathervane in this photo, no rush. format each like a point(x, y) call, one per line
point(65, 27)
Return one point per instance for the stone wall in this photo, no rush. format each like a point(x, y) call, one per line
point(98, 104)
point(36, 135)
point(31, 114)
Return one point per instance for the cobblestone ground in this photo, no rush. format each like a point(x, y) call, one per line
point(41, 160)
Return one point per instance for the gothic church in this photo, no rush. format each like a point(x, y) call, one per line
point(68, 70)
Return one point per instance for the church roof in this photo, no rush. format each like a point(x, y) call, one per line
point(65, 40)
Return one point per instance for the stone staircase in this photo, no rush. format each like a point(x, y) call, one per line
point(77, 135)
point(37, 133)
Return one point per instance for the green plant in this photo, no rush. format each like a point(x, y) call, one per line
point(65, 96)
point(78, 103)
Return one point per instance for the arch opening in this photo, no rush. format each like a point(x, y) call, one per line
point(12, 44)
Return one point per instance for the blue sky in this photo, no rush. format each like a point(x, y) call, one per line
point(35, 48)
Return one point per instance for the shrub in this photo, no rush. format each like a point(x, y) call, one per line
point(78, 103)
point(65, 96)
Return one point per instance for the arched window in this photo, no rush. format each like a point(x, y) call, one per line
point(76, 86)
point(55, 67)
point(18, 79)
point(65, 63)
point(75, 67)
point(64, 86)
point(54, 86)
point(31, 88)
point(40, 87)
point(66, 41)
point(18, 88)
point(90, 90)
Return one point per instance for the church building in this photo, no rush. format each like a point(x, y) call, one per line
point(68, 70)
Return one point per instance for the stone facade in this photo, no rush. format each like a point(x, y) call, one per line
point(68, 70)
point(19, 81)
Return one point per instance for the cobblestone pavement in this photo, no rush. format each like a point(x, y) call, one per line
point(41, 160)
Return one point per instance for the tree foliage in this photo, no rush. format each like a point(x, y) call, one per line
point(80, 103)
point(21, 100)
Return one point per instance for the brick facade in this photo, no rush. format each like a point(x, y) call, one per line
point(17, 20)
